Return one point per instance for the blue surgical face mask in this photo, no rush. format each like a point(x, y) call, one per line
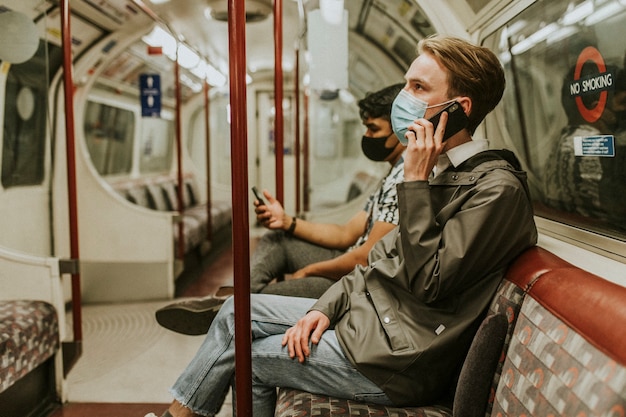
point(405, 109)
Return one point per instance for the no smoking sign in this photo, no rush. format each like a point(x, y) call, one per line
point(597, 83)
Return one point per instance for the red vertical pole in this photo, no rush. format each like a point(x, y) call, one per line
point(305, 156)
point(278, 100)
point(70, 149)
point(296, 149)
point(207, 135)
point(239, 172)
point(179, 162)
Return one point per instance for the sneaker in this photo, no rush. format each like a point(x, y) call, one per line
point(190, 317)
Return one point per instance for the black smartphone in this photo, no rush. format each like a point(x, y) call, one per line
point(457, 119)
point(257, 194)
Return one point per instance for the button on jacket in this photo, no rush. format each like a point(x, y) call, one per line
point(407, 319)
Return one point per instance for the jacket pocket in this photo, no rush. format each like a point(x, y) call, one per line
point(389, 320)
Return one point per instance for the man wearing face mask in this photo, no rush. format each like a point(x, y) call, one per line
point(321, 253)
point(396, 331)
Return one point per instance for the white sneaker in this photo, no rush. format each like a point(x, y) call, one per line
point(150, 415)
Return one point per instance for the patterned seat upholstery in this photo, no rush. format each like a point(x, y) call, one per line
point(293, 402)
point(29, 335)
point(567, 355)
point(582, 382)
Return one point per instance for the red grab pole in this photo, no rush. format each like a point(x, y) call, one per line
point(239, 172)
point(279, 130)
point(207, 135)
point(70, 148)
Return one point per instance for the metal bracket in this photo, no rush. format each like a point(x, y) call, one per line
point(69, 266)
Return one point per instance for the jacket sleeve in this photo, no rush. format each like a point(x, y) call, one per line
point(335, 302)
point(477, 231)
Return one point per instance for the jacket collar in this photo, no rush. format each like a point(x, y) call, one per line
point(465, 151)
point(459, 154)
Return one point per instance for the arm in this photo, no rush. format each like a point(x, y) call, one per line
point(333, 236)
point(343, 264)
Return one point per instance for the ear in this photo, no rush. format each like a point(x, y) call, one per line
point(466, 103)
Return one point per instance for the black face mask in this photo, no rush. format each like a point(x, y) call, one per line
point(374, 148)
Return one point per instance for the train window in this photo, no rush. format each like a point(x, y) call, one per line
point(565, 108)
point(219, 136)
point(156, 148)
point(109, 136)
point(25, 110)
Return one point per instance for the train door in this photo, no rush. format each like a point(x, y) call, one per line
point(24, 186)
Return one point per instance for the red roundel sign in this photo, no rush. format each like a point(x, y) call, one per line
point(600, 83)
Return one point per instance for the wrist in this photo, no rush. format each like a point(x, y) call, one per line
point(292, 226)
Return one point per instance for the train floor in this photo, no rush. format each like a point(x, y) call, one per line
point(129, 361)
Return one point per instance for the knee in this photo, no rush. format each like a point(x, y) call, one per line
point(272, 236)
point(227, 309)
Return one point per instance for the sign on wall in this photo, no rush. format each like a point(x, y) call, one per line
point(150, 92)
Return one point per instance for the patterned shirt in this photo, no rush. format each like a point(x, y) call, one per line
point(382, 204)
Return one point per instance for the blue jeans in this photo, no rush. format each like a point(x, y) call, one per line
point(203, 386)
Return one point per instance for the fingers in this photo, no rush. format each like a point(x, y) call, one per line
point(425, 144)
point(270, 197)
point(441, 127)
point(319, 330)
point(297, 342)
point(423, 133)
point(297, 339)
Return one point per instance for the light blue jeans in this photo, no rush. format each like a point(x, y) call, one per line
point(203, 386)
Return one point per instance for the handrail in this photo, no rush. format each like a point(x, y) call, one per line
point(70, 148)
point(279, 130)
point(241, 232)
point(207, 135)
point(179, 160)
point(305, 155)
point(296, 147)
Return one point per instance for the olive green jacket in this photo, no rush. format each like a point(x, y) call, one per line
point(407, 319)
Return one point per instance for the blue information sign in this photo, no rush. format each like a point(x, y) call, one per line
point(150, 92)
point(600, 145)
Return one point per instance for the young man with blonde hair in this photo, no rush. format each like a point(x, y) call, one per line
point(394, 332)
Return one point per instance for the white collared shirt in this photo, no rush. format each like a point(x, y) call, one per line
point(459, 154)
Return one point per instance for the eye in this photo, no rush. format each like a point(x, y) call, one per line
point(416, 86)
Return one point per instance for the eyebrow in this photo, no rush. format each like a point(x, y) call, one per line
point(420, 81)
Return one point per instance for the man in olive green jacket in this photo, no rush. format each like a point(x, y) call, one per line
point(407, 321)
point(395, 331)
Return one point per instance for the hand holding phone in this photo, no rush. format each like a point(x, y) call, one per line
point(257, 194)
point(457, 120)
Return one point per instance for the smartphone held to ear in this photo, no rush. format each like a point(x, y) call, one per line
point(457, 120)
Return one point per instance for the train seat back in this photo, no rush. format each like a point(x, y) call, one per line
point(29, 335)
point(162, 194)
point(29, 352)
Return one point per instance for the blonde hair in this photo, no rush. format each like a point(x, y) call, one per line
point(473, 71)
